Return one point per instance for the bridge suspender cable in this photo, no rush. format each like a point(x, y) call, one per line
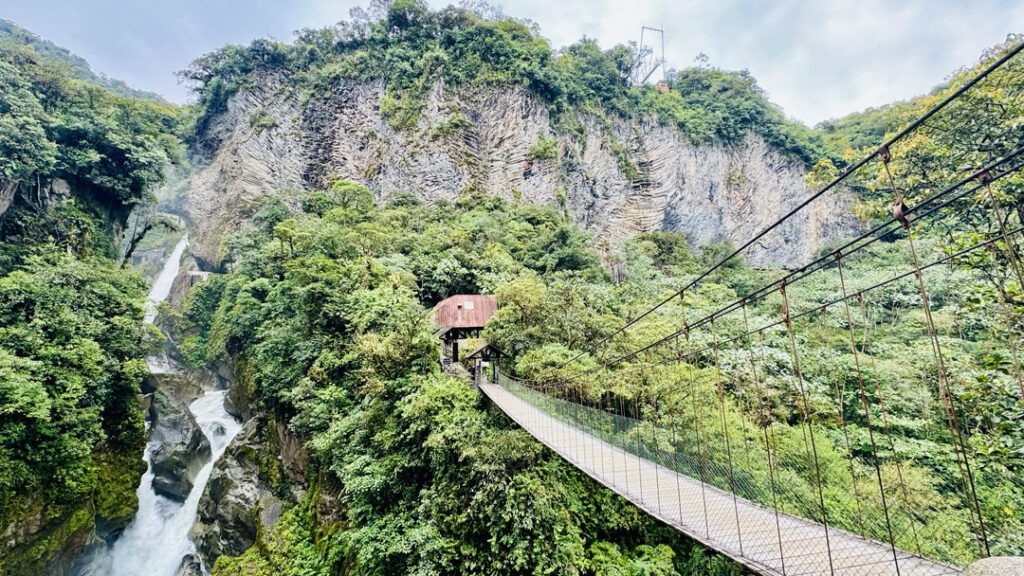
point(609, 421)
point(848, 248)
point(985, 244)
point(882, 150)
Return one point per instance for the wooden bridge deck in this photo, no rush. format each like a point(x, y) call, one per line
point(768, 542)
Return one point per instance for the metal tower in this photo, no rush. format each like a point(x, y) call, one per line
point(650, 56)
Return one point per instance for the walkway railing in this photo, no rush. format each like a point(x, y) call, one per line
point(638, 461)
point(865, 402)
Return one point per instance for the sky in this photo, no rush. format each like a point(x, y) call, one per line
point(816, 59)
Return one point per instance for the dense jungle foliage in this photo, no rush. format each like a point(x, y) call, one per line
point(324, 313)
point(74, 159)
point(409, 47)
point(326, 306)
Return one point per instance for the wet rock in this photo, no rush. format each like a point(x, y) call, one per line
point(181, 448)
point(218, 429)
point(239, 504)
point(180, 386)
point(191, 565)
point(232, 408)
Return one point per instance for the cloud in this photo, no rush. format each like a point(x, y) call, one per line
point(817, 60)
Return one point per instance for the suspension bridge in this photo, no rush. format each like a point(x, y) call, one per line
point(728, 426)
point(761, 538)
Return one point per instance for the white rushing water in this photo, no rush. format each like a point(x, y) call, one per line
point(156, 541)
point(161, 363)
point(162, 285)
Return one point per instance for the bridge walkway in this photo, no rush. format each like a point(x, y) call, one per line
point(766, 541)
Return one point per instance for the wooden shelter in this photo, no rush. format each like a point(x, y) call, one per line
point(459, 317)
point(488, 354)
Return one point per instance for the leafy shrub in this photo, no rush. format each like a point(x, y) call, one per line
point(260, 121)
point(544, 149)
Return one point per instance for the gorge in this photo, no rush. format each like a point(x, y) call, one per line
point(157, 542)
point(276, 405)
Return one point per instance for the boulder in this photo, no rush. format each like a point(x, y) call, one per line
point(239, 505)
point(180, 448)
point(191, 565)
point(180, 386)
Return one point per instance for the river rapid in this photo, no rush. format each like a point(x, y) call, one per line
point(156, 541)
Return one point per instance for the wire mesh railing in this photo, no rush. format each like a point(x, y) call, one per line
point(875, 391)
point(733, 510)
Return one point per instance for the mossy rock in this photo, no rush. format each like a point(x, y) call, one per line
point(115, 499)
point(241, 396)
point(55, 547)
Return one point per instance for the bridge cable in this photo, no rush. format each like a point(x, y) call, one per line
point(872, 236)
point(869, 352)
point(646, 385)
point(835, 182)
point(675, 446)
point(867, 411)
point(1010, 326)
point(702, 459)
point(807, 419)
point(625, 433)
point(788, 313)
point(766, 426)
point(607, 410)
point(944, 387)
point(1011, 253)
point(839, 300)
point(1011, 248)
point(725, 435)
point(841, 409)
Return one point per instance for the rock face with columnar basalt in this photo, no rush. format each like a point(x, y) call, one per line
point(618, 179)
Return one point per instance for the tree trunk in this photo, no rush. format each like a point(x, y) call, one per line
point(135, 242)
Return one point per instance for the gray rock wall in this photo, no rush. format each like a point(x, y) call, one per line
point(181, 448)
point(243, 500)
point(709, 193)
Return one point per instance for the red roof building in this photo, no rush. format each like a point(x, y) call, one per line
point(458, 317)
point(464, 311)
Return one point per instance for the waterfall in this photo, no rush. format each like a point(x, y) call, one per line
point(162, 285)
point(162, 363)
point(156, 541)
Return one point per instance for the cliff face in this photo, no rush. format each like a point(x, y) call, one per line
point(620, 179)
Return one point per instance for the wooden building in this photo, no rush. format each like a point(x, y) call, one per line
point(486, 355)
point(459, 317)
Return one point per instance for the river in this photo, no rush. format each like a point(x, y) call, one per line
point(156, 541)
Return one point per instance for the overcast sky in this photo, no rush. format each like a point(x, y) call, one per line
point(817, 59)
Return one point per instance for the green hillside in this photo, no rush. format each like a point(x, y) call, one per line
point(77, 66)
